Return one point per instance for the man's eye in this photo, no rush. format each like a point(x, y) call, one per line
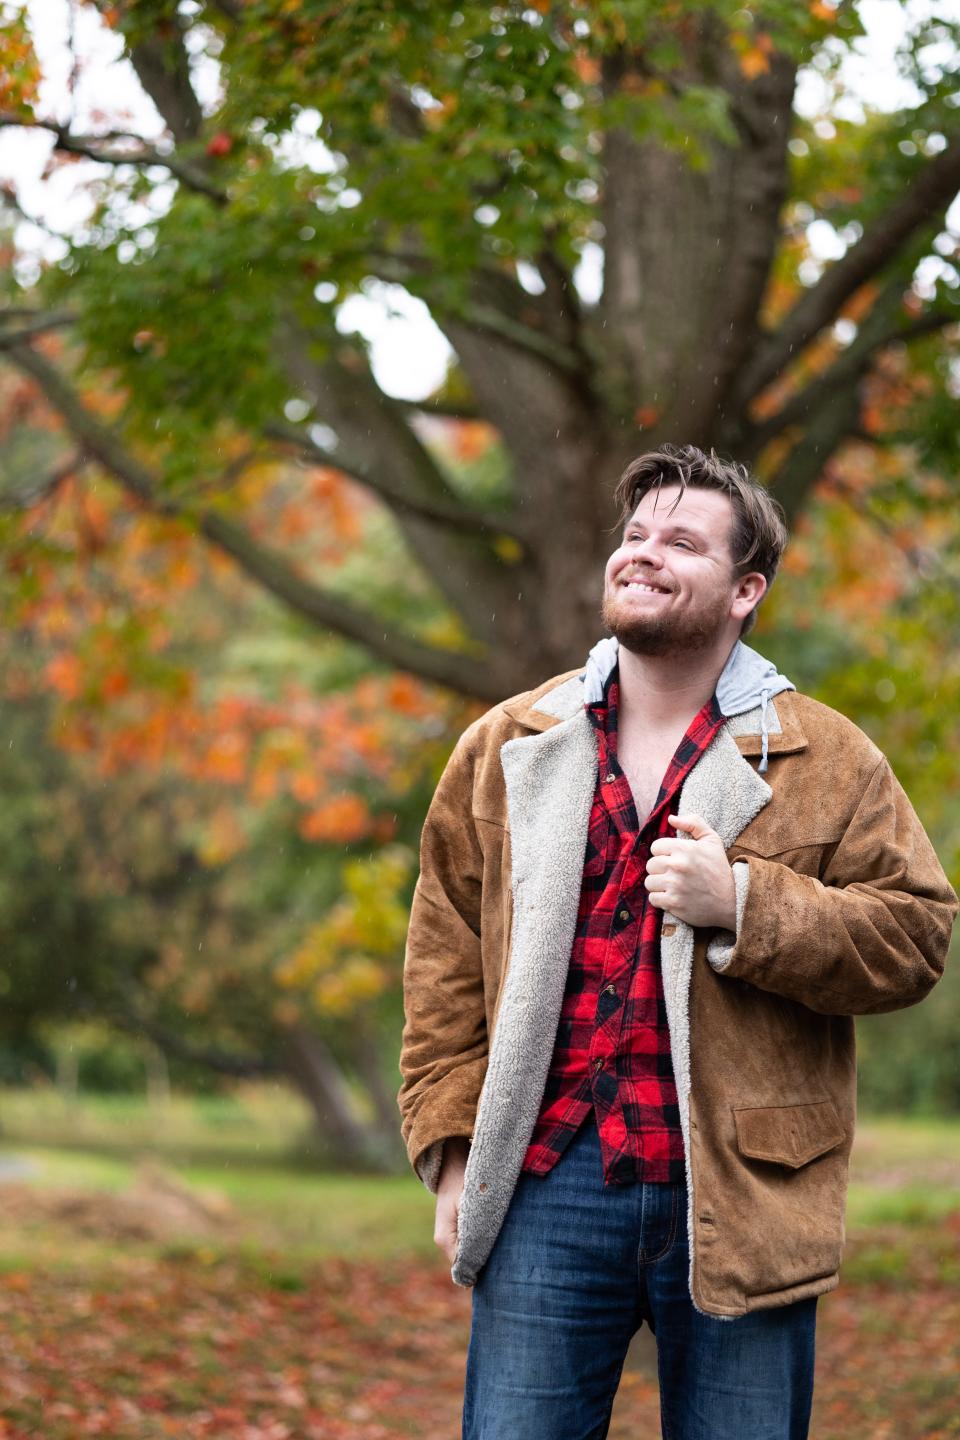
point(685, 543)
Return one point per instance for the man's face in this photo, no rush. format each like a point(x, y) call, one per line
point(670, 584)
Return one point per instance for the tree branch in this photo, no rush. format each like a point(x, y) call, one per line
point(523, 337)
point(924, 560)
point(453, 516)
point(932, 191)
point(91, 148)
point(41, 490)
point(163, 69)
point(469, 674)
point(323, 608)
point(37, 323)
point(926, 324)
point(492, 308)
point(443, 409)
point(876, 331)
point(837, 418)
point(173, 1044)
point(374, 430)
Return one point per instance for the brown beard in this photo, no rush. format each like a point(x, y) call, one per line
point(659, 635)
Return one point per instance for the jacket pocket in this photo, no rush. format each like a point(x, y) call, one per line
point(790, 1135)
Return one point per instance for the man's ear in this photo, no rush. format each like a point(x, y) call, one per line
point(751, 589)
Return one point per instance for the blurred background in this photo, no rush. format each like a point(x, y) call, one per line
point(325, 332)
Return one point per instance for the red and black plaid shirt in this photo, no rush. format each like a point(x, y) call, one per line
point(612, 1049)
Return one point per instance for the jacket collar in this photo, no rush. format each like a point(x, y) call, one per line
point(561, 697)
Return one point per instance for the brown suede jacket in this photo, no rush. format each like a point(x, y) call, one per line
point(843, 909)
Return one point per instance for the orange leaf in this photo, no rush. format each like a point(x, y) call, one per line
point(64, 673)
point(753, 62)
point(342, 819)
point(115, 683)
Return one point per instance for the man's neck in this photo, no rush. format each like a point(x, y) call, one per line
point(659, 692)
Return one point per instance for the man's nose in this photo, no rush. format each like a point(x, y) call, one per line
point(649, 551)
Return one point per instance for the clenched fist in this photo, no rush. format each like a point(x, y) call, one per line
point(691, 876)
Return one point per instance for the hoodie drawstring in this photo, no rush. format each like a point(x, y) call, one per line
point(764, 697)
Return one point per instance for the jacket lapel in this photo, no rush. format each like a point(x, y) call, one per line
point(725, 790)
point(550, 781)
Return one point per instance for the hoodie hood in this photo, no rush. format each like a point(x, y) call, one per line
point(746, 681)
point(746, 678)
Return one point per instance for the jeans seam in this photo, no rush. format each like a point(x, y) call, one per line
point(605, 1422)
point(671, 1236)
point(665, 1429)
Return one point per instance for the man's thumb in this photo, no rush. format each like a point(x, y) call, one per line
point(693, 825)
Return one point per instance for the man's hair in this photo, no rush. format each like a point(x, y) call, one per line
point(758, 533)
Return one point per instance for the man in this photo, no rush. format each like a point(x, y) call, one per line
point(654, 892)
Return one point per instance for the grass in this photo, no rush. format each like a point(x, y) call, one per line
point(247, 1148)
point(286, 1217)
point(255, 1125)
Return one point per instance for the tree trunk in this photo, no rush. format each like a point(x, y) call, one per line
point(158, 1076)
point(318, 1077)
point(365, 1054)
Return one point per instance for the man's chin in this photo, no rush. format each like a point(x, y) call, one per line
point(645, 639)
point(656, 636)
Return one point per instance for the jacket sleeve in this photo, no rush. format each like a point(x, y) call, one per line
point(871, 934)
point(443, 1054)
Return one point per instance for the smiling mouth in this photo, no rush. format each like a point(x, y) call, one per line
point(645, 588)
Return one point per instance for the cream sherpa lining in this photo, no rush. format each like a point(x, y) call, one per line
point(550, 778)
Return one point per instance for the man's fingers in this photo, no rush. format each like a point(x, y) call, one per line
point(672, 865)
point(447, 1223)
point(446, 1239)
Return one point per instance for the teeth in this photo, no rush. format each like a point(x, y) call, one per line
point(650, 589)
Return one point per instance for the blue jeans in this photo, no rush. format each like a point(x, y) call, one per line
point(576, 1269)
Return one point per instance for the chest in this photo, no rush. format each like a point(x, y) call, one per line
point(644, 759)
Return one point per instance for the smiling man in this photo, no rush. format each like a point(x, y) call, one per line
point(654, 893)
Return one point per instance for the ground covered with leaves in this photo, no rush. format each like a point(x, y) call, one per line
point(143, 1295)
point(197, 1343)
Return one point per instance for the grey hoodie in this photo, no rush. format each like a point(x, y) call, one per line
point(746, 680)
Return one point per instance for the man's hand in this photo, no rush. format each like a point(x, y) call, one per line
point(449, 1194)
point(691, 876)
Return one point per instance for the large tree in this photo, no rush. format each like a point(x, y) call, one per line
point(474, 156)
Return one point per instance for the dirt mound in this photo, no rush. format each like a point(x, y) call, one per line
point(157, 1206)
